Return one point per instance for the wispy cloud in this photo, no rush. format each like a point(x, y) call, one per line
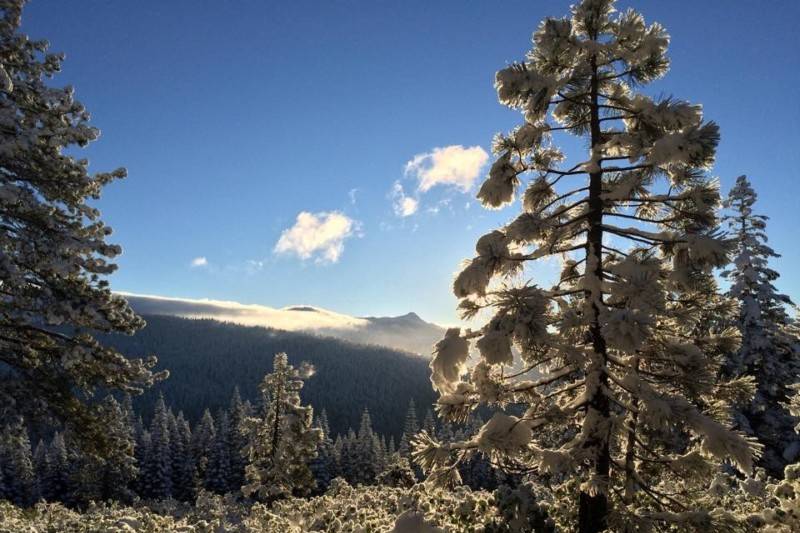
point(404, 206)
point(318, 235)
point(454, 166)
point(352, 194)
point(198, 262)
point(295, 318)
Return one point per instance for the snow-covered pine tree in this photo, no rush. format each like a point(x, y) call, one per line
point(282, 441)
point(410, 428)
point(767, 349)
point(397, 472)
point(183, 465)
point(202, 442)
point(612, 368)
point(53, 254)
point(367, 451)
point(349, 457)
point(56, 483)
point(429, 423)
point(117, 469)
point(218, 469)
point(21, 484)
point(324, 466)
point(237, 413)
point(157, 471)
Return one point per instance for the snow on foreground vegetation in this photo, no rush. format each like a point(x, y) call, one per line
point(759, 503)
point(341, 509)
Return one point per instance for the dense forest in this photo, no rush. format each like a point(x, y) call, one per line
point(208, 359)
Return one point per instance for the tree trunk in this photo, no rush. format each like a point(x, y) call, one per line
point(593, 508)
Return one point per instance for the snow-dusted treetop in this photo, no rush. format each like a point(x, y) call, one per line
point(53, 251)
point(769, 349)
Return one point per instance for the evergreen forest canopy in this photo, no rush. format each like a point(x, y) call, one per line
point(633, 394)
point(208, 359)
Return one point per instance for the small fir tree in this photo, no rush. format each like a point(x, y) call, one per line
point(282, 441)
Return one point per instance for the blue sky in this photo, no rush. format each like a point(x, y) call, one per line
point(234, 117)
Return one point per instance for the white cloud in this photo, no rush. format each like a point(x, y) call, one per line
point(319, 235)
point(404, 206)
point(352, 194)
point(454, 165)
point(198, 262)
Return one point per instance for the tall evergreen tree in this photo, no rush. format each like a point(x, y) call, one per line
point(767, 350)
point(410, 428)
point(237, 413)
point(56, 483)
point(157, 470)
point(20, 482)
point(282, 441)
point(203, 439)
point(323, 467)
point(117, 469)
point(613, 367)
point(53, 254)
point(218, 469)
point(367, 452)
point(183, 465)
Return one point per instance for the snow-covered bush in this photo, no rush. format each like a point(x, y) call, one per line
point(342, 508)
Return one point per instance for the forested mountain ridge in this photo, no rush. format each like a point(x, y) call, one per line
point(207, 359)
point(406, 332)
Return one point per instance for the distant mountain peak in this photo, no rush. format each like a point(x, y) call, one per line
point(406, 332)
point(305, 308)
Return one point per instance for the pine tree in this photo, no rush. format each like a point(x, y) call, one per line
point(766, 352)
point(157, 470)
point(608, 366)
point(367, 452)
point(323, 467)
point(429, 423)
point(117, 469)
point(40, 467)
point(202, 442)
point(397, 473)
point(56, 483)
point(53, 249)
point(183, 465)
point(410, 428)
point(17, 459)
point(218, 470)
point(282, 441)
point(349, 458)
point(237, 413)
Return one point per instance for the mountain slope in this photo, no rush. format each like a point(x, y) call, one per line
point(407, 332)
point(207, 359)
